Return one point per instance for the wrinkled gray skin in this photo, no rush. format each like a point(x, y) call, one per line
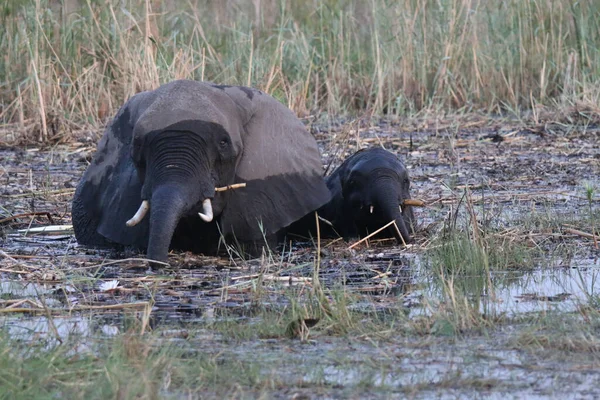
point(367, 190)
point(172, 146)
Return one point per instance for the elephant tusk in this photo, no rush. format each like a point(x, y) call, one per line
point(139, 215)
point(371, 210)
point(207, 212)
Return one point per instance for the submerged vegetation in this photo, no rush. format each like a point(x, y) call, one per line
point(67, 65)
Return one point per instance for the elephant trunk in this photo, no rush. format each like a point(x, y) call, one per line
point(386, 205)
point(166, 207)
point(409, 217)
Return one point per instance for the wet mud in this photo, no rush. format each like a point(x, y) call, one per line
point(511, 173)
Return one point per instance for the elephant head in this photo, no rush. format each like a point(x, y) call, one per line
point(368, 191)
point(165, 152)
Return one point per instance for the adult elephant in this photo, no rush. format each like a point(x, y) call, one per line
point(167, 150)
point(368, 191)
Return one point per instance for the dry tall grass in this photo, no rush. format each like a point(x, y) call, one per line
point(67, 65)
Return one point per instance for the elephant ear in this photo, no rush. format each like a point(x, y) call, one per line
point(332, 209)
point(109, 193)
point(280, 164)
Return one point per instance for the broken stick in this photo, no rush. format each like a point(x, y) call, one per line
point(228, 187)
point(413, 202)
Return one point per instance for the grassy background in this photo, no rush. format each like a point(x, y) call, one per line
point(68, 65)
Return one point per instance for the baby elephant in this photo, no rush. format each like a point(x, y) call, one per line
point(368, 190)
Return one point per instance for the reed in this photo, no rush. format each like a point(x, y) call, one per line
point(67, 65)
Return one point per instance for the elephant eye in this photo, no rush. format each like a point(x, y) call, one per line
point(223, 142)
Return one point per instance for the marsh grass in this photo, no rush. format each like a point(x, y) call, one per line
point(141, 363)
point(304, 315)
point(561, 333)
point(67, 66)
point(483, 249)
point(468, 261)
point(126, 366)
point(154, 365)
point(590, 190)
point(548, 229)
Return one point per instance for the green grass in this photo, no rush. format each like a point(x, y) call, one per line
point(211, 363)
point(212, 358)
point(126, 366)
point(560, 333)
point(65, 68)
point(468, 261)
point(335, 312)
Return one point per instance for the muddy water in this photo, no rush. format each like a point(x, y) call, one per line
point(523, 175)
point(555, 289)
point(513, 293)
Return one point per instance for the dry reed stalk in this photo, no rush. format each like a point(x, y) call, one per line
point(318, 266)
point(124, 306)
point(334, 241)
point(289, 279)
point(399, 234)
point(474, 223)
point(413, 203)
point(271, 277)
point(146, 318)
point(55, 311)
point(250, 62)
point(18, 302)
point(505, 197)
point(230, 187)
point(577, 232)
point(372, 234)
point(47, 229)
point(381, 275)
point(40, 193)
point(30, 214)
point(416, 58)
point(124, 260)
point(227, 291)
point(374, 288)
point(10, 271)
point(20, 264)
